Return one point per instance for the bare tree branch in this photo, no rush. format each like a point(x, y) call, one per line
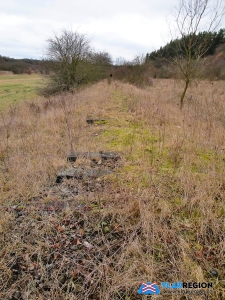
point(191, 17)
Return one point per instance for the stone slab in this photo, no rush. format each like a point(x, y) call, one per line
point(94, 121)
point(80, 173)
point(93, 155)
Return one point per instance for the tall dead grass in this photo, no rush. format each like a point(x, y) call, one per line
point(167, 198)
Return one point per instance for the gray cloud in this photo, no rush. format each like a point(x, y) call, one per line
point(123, 28)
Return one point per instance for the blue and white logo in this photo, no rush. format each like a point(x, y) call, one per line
point(148, 288)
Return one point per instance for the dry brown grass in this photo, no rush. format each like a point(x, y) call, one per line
point(163, 206)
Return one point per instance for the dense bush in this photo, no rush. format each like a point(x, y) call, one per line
point(71, 63)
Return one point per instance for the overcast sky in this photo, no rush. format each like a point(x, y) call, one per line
point(124, 28)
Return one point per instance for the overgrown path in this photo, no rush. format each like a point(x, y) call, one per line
point(155, 214)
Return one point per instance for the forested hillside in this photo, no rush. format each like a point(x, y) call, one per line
point(210, 40)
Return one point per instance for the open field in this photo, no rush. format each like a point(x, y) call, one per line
point(16, 88)
point(159, 217)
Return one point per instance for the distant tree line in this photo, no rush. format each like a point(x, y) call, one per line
point(209, 40)
point(20, 66)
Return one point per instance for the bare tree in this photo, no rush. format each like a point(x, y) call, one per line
point(101, 58)
point(192, 17)
point(67, 56)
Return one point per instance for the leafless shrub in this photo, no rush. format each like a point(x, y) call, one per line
point(190, 18)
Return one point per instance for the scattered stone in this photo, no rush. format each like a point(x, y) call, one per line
point(81, 173)
point(214, 273)
point(88, 245)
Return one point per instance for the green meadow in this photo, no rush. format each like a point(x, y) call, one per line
point(16, 88)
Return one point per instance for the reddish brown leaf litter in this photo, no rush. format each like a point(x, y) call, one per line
point(72, 253)
point(63, 240)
